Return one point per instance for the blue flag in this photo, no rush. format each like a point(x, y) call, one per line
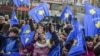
point(71, 35)
point(66, 14)
point(15, 54)
point(27, 38)
point(13, 19)
point(78, 37)
point(21, 2)
point(48, 35)
point(91, 20)
point(74, 31)
point(39, 12)
point(78, 45)
point(55, 51)
point(25, 29)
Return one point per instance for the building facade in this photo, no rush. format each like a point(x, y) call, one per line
point(55, 6)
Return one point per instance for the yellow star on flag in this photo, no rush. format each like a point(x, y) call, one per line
point(27, 31)
point(26, 40)
point(19, 30)
point(92, 11)
point(98, 24)
point(74, 42)
point(15, 17)
point(66, 15)
point(41, 12)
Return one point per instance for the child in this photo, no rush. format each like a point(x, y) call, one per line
point(12, 42)
point(41, 48)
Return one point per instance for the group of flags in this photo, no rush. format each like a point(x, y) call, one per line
point(91, 25)
point(42, 10)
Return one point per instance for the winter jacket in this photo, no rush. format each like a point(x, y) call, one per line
point(40, 49)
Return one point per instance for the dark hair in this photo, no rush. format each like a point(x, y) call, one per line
point(88, 38)
point(1, 25)
point(1, 14)
point(41, 26)
point(15, 30)
point(5, 28)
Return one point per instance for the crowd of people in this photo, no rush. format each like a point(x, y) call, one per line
point(40, 46)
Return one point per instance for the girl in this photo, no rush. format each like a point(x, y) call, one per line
point(41, 48)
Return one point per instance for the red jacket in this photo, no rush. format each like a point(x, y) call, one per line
point(89, 52)
point(24, 51)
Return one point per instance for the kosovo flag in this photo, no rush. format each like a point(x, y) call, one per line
point(39, 12)
point(78, 45)
point(25, 29)
point(21, 2)
point(66, 14)
point(27, 38)
point(71, 35)
point(91, 20)
point(13, 19)
point(55, 51)
point(74, 31)
point(77, 36)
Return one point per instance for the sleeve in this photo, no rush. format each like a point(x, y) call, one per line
point(31, 25)
point(55, 39)
point(21, 48)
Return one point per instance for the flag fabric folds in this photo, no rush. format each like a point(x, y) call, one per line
point(55, 51)
point(74, 31)
point(66, 14)
point(78, 37)
point(91, 20)
point(27, 38)
point(21, 2)
point(39, 12)
point(25, 29)
point(71, 35)
point(78, 46)
point(13, 19)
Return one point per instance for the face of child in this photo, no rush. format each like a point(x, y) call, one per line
point(89, 44)
point(12, 34)
point(43, 40)
point(40, 29)
point(61, 38)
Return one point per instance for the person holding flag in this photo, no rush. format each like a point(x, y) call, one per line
point(27, 35)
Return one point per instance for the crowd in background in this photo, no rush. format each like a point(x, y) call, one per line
point(40, 46)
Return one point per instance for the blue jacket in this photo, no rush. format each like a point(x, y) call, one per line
point(8, 44)
point(12, 45)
